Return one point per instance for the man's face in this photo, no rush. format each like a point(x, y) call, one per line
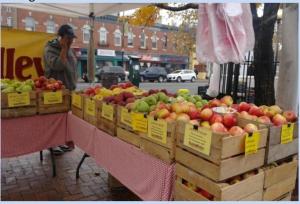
point(69, 40)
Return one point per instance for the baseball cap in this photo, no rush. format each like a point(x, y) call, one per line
point(66, 30)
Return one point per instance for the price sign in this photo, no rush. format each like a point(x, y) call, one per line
point(198, 138)
point(251, 143)
point(157, 129)
point(90, 107)
point(76, 100)
point(52, 97)
point(18, 99)
point(287, 133)
point(139, 122)
point(107, 112)
point(126, 117)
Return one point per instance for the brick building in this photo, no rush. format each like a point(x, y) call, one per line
point(152, 44)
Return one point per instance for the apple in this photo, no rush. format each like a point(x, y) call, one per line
point(183, 117)
point(173, 115)
point(218, 127)
point(214, 103)
point(279, 120)
point(236, 131)
point(254, 110)
point(264, 119)
point(216, 118)
point(163, 113)
point(206, 194)
point(180, 108)
point(290, 116)
point(270, 113)
point(194, 113)
point(276, 109)
point(194, 122)
point(244, 106)
point(235, 106)
point(245, 115)
point(229, 120)
point(206, 114)
point(250, 128)
point(205, 124)
point(185, 107)
point(227, 100)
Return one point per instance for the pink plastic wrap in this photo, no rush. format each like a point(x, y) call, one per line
point(225, 32)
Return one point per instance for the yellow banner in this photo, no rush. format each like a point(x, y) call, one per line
point(22, 53)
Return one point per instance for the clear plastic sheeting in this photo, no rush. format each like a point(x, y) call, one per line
point(224, 33)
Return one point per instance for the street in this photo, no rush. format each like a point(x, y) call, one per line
point(170, 87)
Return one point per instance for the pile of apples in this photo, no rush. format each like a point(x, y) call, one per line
point(265, 114)
point(12, 85)
point(121, 99)
point(48, 84)
point(198, 190)
point(92, 91)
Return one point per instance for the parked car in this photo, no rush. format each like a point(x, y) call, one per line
point(119, 71)
point(182, 75)
point(154, 73)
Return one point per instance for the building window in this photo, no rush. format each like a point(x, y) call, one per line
point(8, 9)
point(143, 39)
point(130, 39)
point(9, 21)
point(29, 24)
point(86, 33)
point(154, 41)
point(50, 26)
point(118, 40)
point(165, 45)
point(103, 36)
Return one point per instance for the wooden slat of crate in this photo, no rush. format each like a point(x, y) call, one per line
point(7, 112)
point(284, 171)
point(281, 188)
point(286, 197)
point(171, 136)
point(129, 137)
point(158, 151)
point(222, 146)
point(182, 193)
point(223, 191)
point(254, 197)
point(275, 134)
point(54, 108)
point(226, 169)
point(119, 122)
point(90, 118)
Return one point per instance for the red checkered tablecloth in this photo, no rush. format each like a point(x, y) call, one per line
point(26, 135)
point(147, 176)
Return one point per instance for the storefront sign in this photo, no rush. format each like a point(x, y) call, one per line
point(110, 53)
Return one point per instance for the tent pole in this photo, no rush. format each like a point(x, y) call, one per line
point(91, 51)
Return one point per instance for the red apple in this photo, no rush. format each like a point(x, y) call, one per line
point(206, 194)
point(235, 106)
point(194, 113)
point(218, 127)
point(236, 131)
point(130, 100)
point(290, 116)
point(183, 117)
point(279, 120)
point(254, 110)
point(163, 113)
point(214, 103)
point(244, 106)
point(173, 115)
point(250, 128)
point(206, 114)
point(38, 84)
point(229, 120)
point(216, 118)
point(227, 100)
point(264, 119)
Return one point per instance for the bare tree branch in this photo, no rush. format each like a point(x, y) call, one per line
point(180, 8)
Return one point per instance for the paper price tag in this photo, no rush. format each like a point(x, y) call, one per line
point(198, 138)
point(157, 129)
point(107, 112)
point(126, 117)
point(18, 99)
point(139, 122)
point(251, 143)
point(90, 107)
point(76, 100)
point(52, 97)
point(287, 133)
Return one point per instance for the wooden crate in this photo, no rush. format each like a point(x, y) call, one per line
point(106, 125)
point(158, 151)
point(92, 119)
point(129, 136)
point(227, 168)
point(285, 197)
point(274, 150)
point(249, 188)
point(13, 112)
point(280, 179)
point(223, 146)
point(54, 108)
point(78, 111)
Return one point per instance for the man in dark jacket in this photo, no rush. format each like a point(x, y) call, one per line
point(60, 64)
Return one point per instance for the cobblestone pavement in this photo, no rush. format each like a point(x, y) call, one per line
point(25, 178)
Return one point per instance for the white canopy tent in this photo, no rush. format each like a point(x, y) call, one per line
point(90, 10)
